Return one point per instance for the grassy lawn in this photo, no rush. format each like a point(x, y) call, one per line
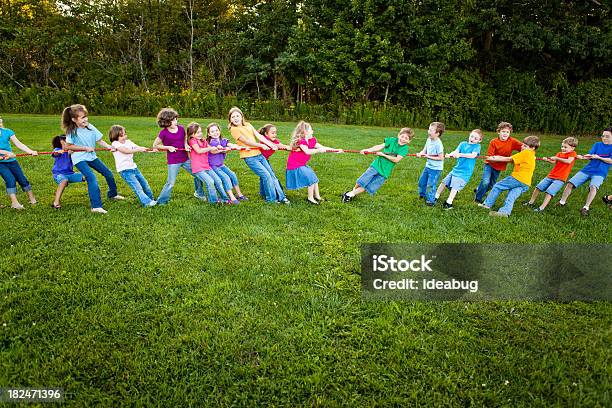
point(260, 304)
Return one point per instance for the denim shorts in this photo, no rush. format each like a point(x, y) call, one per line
point(580, 178)
point(371, 180)
point(72, 178)
point(454, 182)
point(550, 186)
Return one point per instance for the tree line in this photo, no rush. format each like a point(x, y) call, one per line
point(544, 65)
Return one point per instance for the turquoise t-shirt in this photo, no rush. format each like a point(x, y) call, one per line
point(5, 144)
point(434, 147)
point(84, 137)
point(384, 166)
point(465, 167)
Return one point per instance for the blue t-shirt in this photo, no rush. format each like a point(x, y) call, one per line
point(465, 167)
point(5, 144)
point(62, 164)
point(597, 167)
point(84, 137)
point(434, 147)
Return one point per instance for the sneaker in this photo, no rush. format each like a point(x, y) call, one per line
point(498, 214)
point(243, 198)
point(584, 212)
point(527, 204)
point(152, 203)
point(17, 207)
point(482, 205)
point(478, 201)
point(560, 205)
point(312, 202)
point(284, 201)
point(447, 206)
point(99, 210)
point(606, 200)
point(430, 203)
point(56, 207)
point(234, 202)
point(346, 198)
point(118, 197)
point(538, 210)
point(201, 198)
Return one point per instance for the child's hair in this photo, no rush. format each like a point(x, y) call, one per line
point(407, 131)
point(439, 126)
point(56, 142)
point(479, 132)
point(266, 128)
point(571, 141)
point(504, 125)
point(229, 115)
point(608, 129)
point(299, 133)
point(192, 129)
point(69, 113)
point(114, 132)
point(166, 116)
point(210, 126)
point(532, 141)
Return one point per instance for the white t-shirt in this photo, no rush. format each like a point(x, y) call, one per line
point(124, 161)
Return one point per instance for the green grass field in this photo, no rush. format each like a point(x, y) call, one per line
point(260, 304)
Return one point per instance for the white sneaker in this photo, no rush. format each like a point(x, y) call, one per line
point(99, 210)
point(118, 197)
point(151, 204)
point(203, 198)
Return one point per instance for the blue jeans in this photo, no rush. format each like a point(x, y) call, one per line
point(489, 177)
point(515, 189)
point(85, 167)
point(173, 170)
point(12, 174)
point(213, 183)
point(228, 177)
point(272, 190)
point(428, 182)
point(138, 184)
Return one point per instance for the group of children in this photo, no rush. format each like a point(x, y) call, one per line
point(202, 155)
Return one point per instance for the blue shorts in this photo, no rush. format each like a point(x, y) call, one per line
point(550, 186)
point(454, 182)
point(371, 180)
point(580, 178)
point(72, 178)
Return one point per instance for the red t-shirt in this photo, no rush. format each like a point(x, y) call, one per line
point(561, 171)
point(497, 147)
point(268, 153)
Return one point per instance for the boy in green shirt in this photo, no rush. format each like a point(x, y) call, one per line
point(389, 154)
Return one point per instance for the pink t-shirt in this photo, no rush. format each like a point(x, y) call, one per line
point(177, 140)
point(199, 161)
point(268, 153)
point(299, 158)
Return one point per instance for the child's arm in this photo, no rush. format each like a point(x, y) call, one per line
point(23, 147)
point(309, 151)
point(472, 155)
point(76, 148)
point(394, 159)
point(202, 150)
point(105, 145)
point(373, 149)
point(499, 158)
point(6, 154)
point(325, 148)
point(553, 159)
point(158, 144)
point(598, 157)
point(434, 156)
point(262, 146)
point(264, 140)
point(454, 153)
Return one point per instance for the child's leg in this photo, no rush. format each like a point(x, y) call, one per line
point(566, 193)
point(423, 182)
point(513, 194)
point(132, 180)
point(590, 196)
point(260, 171)
point(210, 186)
point(144, 184)
point(93, 189)
point(547, 198)
point(503, 185)
point(440, 190)
point(11, 184)
point(22, 180)
point(534, 196)
point(280, 193)
point(101, 168)
point(432, 180)
point(164, 195)
point(197, 183)
point(356, 190)
point(226, 181)
point(58, 193)
point(317, 194)
point(219, 186)
point(451, 195)
point(311, 190)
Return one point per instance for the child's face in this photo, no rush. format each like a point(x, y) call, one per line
point(122, 137)
point(81, 120)
point(403, 138)
point(236, 118)
point(1, 123)
point(214, 132)
point(474, 138)
point(272, 133)
point(606, 138)
point(432, 132)
point(309, 132)
point(565, 148)
point(198, 133)
point(504, 134)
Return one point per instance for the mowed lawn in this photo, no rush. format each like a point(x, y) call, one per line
point(260, 304)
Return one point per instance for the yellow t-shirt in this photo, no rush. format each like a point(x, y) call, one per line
point(247, 132)
point(524, 166)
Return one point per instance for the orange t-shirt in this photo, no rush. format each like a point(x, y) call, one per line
point(247, 131)
point(497, 147)
point(561, 171)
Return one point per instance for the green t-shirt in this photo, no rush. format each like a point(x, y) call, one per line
point(392, 147)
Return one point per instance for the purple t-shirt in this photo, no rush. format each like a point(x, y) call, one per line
point(63, 164)
point(217, 159)
point(177, 140)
